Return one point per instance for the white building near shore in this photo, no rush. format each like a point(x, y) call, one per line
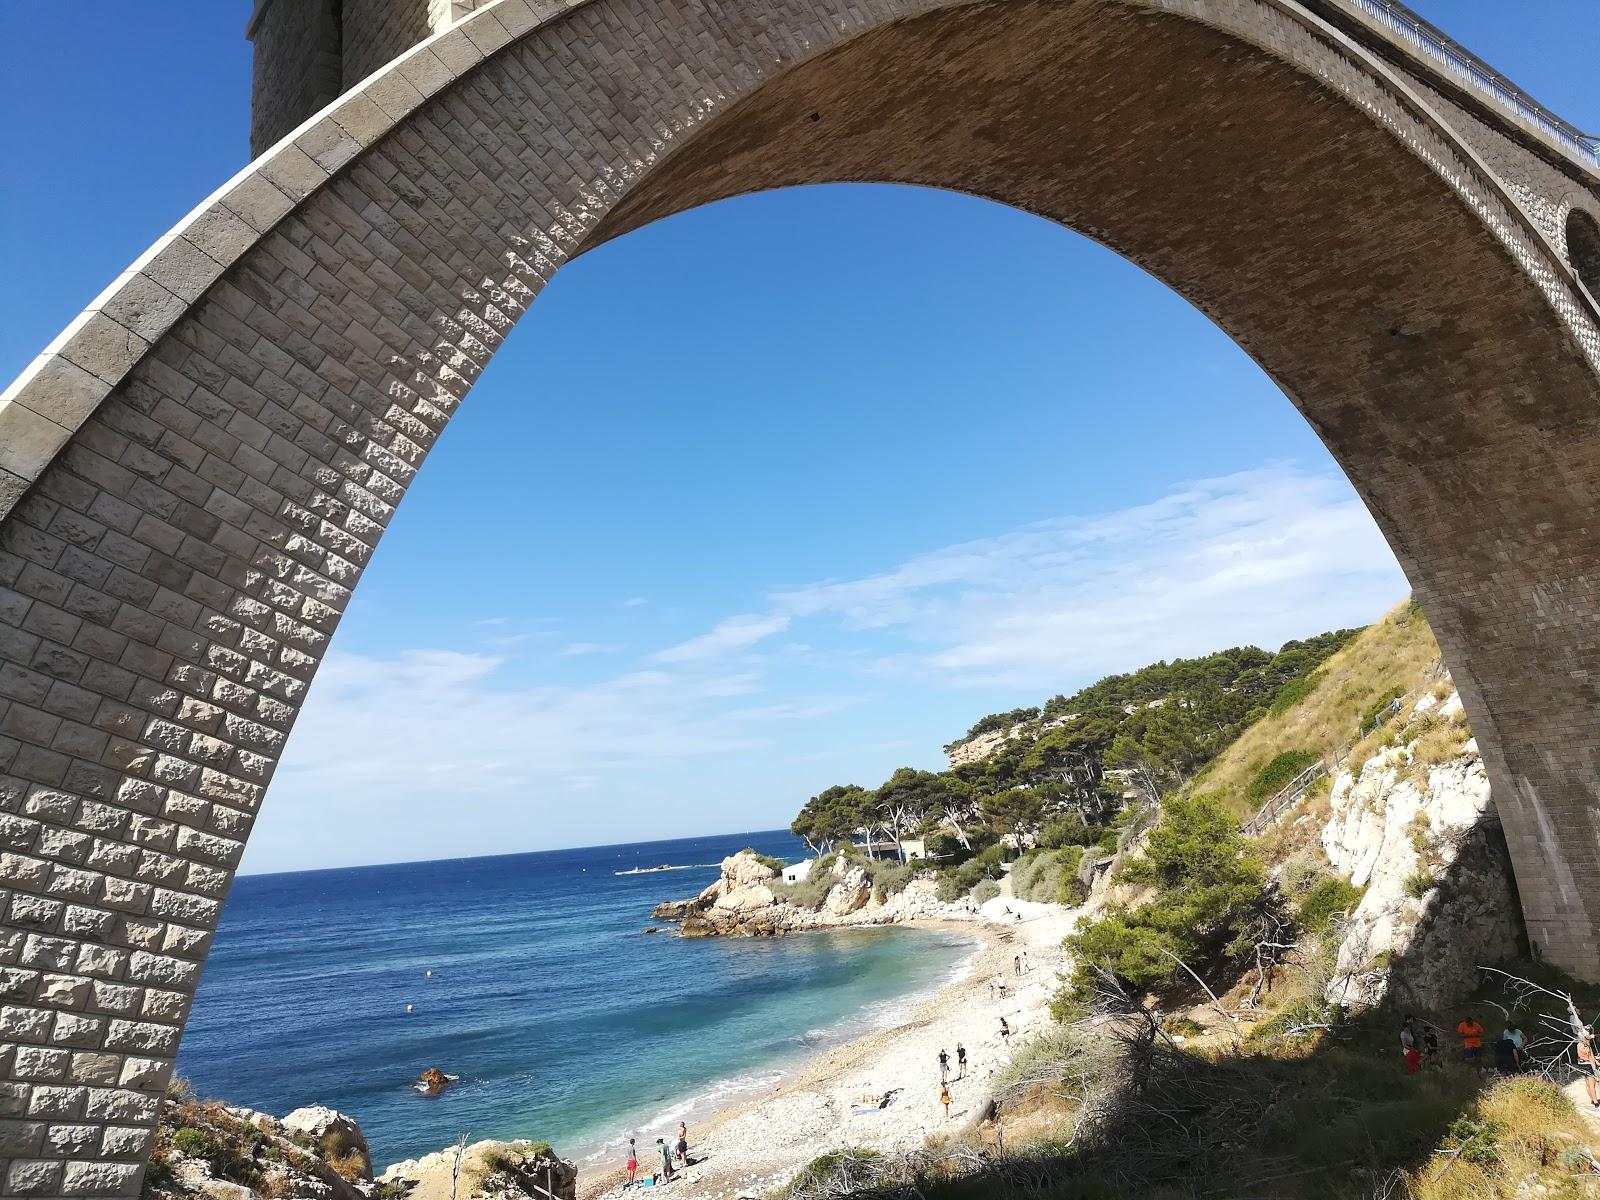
point(797, 872)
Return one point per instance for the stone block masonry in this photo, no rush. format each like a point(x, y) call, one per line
point(195, 474)
point(309, 51)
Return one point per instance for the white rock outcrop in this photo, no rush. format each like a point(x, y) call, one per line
point(331, 1131)
point(1424, 845)
point(746, 901)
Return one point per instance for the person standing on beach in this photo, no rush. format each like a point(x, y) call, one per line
point(683, 1143)
point(944, 1066)
point(666, 1157)
point(944, 1099)
point(1005, 1033)
point(961, 1061)
point(633, 1162)
point(1016, 964)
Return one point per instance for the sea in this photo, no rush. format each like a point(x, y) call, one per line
point(531, 977)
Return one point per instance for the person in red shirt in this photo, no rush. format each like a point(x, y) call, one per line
point(1471, 1034)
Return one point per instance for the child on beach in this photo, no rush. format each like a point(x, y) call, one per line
point(944, 1099)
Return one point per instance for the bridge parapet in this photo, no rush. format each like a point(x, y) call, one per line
point(1427, 44)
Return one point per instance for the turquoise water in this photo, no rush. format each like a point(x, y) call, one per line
point(565, 1021)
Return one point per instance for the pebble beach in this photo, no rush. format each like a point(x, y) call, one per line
point(755, 1145)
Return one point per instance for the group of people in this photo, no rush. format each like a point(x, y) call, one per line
point(944, 1074)
point(1419, 1043)
point(961, 1066)
point(672, 1157)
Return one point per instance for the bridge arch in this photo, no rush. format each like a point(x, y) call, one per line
point(198, 470)
point(1583, 247)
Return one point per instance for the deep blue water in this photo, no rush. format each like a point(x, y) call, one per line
point(565, 1021)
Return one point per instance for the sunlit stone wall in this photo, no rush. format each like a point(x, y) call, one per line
point(194, 476)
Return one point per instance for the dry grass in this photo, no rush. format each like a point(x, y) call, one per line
point(1437, 740)
point(1520, 1138)
point(1395, 652)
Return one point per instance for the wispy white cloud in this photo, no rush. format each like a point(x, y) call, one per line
point(635, 601)
point(1256, 557)
point(1259, 556)
point(396, 723)
point(579, 649)
point(735, 633)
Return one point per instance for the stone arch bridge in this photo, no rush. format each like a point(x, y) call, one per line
point(194, 474)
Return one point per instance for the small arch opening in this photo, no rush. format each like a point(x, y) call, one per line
point(1583, 248)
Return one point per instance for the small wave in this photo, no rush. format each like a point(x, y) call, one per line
point(699, 1104)
point(668, 867)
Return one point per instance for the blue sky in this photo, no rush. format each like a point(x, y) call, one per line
point(758, 499)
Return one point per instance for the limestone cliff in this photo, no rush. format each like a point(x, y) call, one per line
point(1421, 838)
point(749, 899)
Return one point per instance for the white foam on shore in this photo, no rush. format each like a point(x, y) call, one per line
point(886, 1014)
point(722, 1093)
point(695, 1107)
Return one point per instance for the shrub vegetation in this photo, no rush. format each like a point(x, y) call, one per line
point(1209, 888)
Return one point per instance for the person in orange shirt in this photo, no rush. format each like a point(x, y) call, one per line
point(1471, 1034)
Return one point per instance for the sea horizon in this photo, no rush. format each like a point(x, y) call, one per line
point(530, 975)
point(577, 846)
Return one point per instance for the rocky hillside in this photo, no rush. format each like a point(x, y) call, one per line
point(1420, 839)
point(1403, 814)
point(223, 1152)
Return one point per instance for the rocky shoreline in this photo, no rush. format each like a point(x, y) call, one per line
point(748, 900)
point(1389, 821)
point(227, 1152)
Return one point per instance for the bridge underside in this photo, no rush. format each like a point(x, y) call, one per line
point(1414, 343)
point(174, 571)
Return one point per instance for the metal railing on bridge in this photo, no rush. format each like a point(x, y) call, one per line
point(1464, 64)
